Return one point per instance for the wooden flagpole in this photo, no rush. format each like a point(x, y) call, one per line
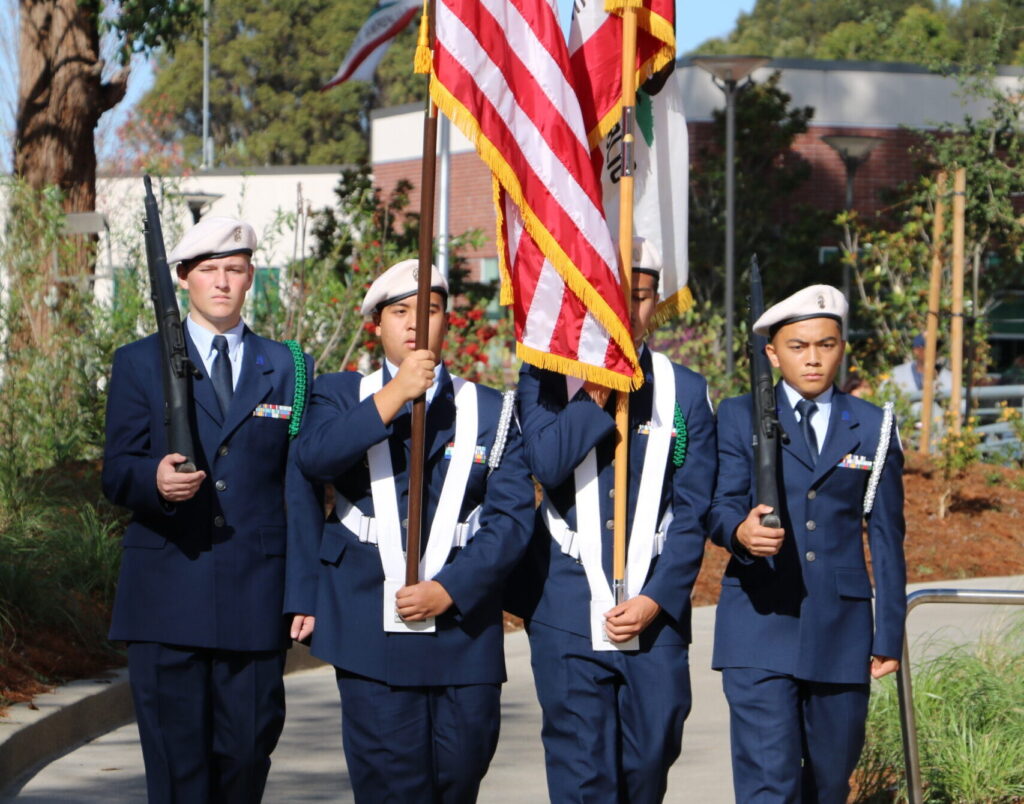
point(932, 332)
point(625, 268)
point(956, 335)
point(418, 427)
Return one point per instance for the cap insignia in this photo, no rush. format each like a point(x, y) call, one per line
point(238, 234)
point(821, 302)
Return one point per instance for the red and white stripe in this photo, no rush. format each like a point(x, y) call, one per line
point(595, 56)
point(373, 39)
point(501, 72)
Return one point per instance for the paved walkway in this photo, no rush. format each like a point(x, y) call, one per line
point(309, 765)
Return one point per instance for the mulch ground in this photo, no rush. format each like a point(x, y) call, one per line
point(981, 536)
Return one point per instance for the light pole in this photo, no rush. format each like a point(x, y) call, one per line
point(207, 161)
point(727, 72)
point(854, 150)
point(199, 201)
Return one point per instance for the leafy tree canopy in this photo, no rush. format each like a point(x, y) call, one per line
point(919, 31)
point(268, 61)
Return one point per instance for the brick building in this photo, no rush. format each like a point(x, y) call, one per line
point(867, 98)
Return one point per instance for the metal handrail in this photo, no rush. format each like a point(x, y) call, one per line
point(911, 757)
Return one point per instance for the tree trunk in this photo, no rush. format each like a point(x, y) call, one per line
point(61, 95)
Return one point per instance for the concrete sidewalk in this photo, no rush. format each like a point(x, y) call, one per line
point(309, 764)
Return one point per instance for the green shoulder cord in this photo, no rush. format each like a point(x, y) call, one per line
point(679, 453)
point(299, 400)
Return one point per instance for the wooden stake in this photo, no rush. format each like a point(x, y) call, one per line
point(957, 328)
point(626, 267)
point(932, 334)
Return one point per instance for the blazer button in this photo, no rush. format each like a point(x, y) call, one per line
point(610, 524)
point(223, 450)
point(810, 555)
point(811, 525)
point(611, 492)
point(218, 521)
point(812, 494)
point(220, 485)
point(405, 524)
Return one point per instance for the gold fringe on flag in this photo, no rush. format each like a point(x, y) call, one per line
point(615, 6)
point(570, 274)
point(672, 307)
point(421, 61)
point(507, 294)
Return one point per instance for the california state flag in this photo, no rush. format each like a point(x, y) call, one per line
point(661, 197)
point(595, 55)
point(661, 168)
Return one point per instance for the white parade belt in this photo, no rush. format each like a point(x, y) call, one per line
point(365, 527)
point(645, 539)
point(446, 531)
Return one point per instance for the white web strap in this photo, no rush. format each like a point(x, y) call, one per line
point(385, 527)
point(645, 517)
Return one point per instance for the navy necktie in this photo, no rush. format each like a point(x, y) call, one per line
point(806, 409)
point(220, 373)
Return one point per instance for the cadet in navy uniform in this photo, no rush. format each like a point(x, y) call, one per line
point(200, 595)
point(613, 681)
point(794, 635)
point(419, 668)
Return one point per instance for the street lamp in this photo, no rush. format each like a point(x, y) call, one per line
point(854, 150)
point(198, 201)
point(727, 72)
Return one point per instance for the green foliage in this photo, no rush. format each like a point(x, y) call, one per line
point(59, 551)
point(696, 340)
point(353, 243)
point(145, 25)
point(794, 28)
point(268, 63)
point(890, 263)
point(922, 31)
point(768, 172)
point(970, 726)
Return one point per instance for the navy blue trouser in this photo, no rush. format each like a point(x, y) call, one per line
point(793, 741)
point(208, 721)
point(613, 722)
point(417, 744)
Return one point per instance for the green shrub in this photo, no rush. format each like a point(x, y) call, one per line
point(969, 705)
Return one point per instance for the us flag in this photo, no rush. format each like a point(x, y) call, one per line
point(501, 73)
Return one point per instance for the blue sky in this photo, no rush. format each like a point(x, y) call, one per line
point(696, 20)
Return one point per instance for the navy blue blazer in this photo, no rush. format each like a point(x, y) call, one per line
point(807, 611)
point(343, 578)
point(208, 572)
point(551, 587)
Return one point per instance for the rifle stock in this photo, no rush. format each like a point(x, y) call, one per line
point(767, 430)
point(177, 368)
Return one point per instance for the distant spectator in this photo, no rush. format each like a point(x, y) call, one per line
point(856, 386)
point(1014, 375)
point(909, 376)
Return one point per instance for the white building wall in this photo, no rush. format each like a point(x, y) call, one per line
point(842, 93)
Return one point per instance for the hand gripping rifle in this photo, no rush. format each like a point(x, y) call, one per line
point(177, 367)
point(767, 429)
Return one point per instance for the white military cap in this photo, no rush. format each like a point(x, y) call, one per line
point(398, 282)
point(815, 301)
point(646, 258)
point(214, 237)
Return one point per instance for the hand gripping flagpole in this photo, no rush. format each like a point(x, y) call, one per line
point(625, 269)
point(419, 406)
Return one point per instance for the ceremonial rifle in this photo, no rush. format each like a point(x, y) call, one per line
point(177, 368)
point(767, 429)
